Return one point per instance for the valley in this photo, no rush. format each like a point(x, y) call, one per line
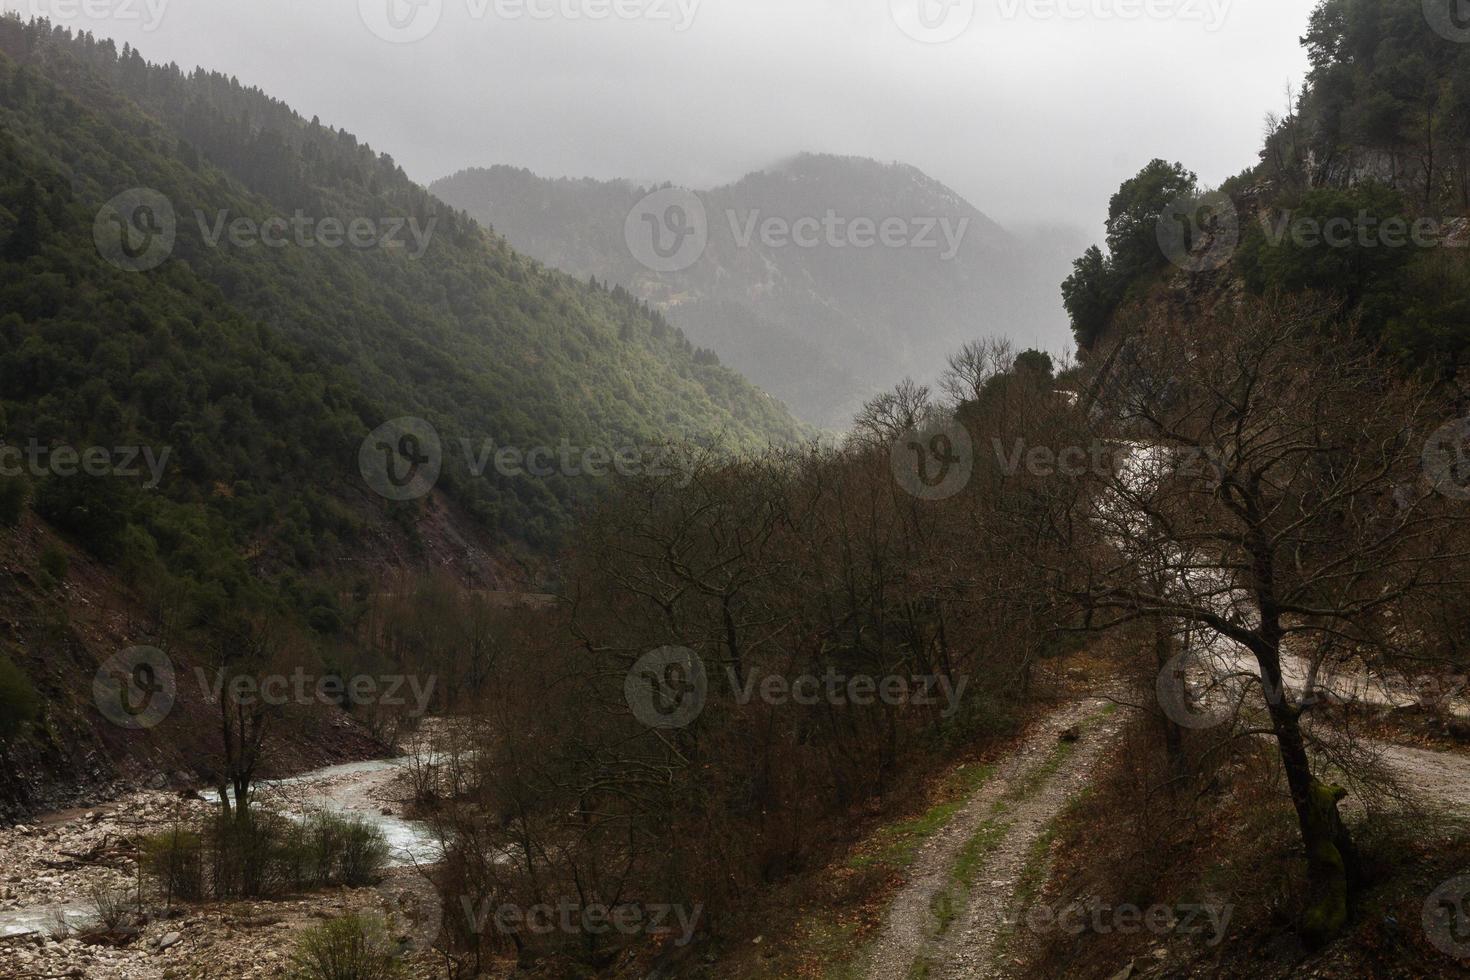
point(790, 551)
point(813, 272)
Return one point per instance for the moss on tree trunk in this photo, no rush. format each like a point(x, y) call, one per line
point(1328, 852)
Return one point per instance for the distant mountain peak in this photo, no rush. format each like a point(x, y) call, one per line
point(821, 325)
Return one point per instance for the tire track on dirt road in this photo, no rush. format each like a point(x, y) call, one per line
point(1012, 809)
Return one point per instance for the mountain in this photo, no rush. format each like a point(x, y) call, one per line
point(209, 306)
point(1361, 193)
point(469, 335)
point(822, 314)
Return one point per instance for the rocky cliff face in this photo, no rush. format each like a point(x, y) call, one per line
point(61, 633)
point(1399, 170)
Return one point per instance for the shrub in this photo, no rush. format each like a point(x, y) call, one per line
point(110, 906)
point(1360, 267)
point(294, 858)
point(349, 850)
point(251, 855)
point(54, 564)
point(353, 947)
point(94, 511)
point(364, 852)
point(263, 854)
point(323, 845)
point(324, 620)
point(175, 859)
point(13, 495)
point(19, 702)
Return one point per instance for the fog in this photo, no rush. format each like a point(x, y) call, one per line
point(1035, 111)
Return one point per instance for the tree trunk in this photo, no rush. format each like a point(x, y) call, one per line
point(242, 794)
point(1329, 848)
point(1173, 737)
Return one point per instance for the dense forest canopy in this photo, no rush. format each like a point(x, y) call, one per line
point(262, 368)
point(823, 328)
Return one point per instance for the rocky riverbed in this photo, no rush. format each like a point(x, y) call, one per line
point(51, 871)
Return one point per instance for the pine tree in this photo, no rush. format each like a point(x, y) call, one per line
point(25, 240)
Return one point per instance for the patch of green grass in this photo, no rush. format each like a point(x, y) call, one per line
point(835, 946)
point(920, 969)
point(1031, 783)
point(944, 908)
point(898, 843)
point(966, 780)
point(1038, 862)
point(1033, 873)
point(1028, 885)
point(977, 849)
point(833, 943)
point(946, 904)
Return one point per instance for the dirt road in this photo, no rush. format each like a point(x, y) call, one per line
point(949, 916)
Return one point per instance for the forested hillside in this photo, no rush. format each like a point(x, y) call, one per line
point(824, 326)
point(186, 398)
point(1362, 193)
point(225, 340)
point(400, 607)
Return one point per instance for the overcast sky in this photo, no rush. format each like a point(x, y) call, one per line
point(1035, 110)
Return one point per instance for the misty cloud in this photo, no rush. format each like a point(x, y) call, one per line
point(1035, 112)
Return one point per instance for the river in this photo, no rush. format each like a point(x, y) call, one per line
point(355, 789)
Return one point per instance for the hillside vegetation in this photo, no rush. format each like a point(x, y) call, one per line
point(277, 362)
point(230, 385)
point(1306, 328)
point(824, 326)
point(1361, 193)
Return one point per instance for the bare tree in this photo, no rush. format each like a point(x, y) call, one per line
point(245, 652)
point(885, 417)
point(1268, 493)
point(973, 366)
